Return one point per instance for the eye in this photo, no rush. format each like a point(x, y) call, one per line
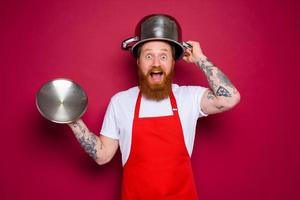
point(163, 57)
point(148, 57)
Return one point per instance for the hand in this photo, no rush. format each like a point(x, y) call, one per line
point(193, 55)
point(75, 123)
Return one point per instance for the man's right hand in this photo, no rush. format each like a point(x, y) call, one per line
point(100, 148)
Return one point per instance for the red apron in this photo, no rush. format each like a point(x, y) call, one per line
point(158, 167)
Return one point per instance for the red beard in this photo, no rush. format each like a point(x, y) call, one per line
point(155, 92)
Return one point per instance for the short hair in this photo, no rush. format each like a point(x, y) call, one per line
point(139, 47)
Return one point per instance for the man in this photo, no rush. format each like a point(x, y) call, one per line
point(154, 123)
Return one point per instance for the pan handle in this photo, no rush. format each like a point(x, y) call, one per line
point(187, 45)
point(126, 43)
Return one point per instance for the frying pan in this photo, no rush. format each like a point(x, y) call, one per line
point(61, 101)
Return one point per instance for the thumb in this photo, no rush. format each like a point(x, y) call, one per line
point(184, 58)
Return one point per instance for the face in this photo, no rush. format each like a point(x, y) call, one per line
point(155, 61)
point(155, 70)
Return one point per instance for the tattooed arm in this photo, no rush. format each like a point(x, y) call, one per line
point(100, 148)
point(222, 94)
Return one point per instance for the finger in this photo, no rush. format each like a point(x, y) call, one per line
point(188, 51)
point(193, 43)
point(186, 54)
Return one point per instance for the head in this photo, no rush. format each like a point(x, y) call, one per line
point(155, 61)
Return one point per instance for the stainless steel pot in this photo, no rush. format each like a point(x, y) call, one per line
point(61, 101)
point(157, 27)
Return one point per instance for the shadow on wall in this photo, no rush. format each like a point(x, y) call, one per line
point(59, 142)
point(218, 129)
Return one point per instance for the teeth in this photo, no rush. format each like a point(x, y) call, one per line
point(156, 73)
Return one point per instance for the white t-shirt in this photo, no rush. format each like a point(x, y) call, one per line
point(119, 116)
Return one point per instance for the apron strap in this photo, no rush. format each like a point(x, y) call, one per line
point(173, 103)
point(138, 104)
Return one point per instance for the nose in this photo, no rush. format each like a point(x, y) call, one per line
point(156, 61)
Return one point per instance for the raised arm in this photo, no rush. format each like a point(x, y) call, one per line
point(100, 148)
point(222, 94)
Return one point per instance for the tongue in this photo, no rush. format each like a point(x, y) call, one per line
point(156, 77)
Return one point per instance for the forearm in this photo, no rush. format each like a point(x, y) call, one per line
point(221, 87)
point(88, 140)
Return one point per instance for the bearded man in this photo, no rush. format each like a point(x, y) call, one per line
point(154, 122)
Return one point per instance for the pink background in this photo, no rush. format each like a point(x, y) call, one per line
point(248, 153)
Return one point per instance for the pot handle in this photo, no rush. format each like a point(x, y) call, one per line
point(187, 45)
point(126, 43)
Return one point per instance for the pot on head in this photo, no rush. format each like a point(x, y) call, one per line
point(156, 27)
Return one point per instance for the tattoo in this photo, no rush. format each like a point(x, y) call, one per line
point(223, 92)
point(217, 80)
point(223, 78)
point(87, 141)
point(206, 66)
point(82, 129)
point(210, 95)
point(89, 145)
point(212, 84)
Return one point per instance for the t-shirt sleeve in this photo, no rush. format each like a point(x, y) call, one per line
point(198, 93)
point(109, 126)
point(201, 95)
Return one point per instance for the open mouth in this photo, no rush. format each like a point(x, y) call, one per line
point(159, 73)
point(156, 76)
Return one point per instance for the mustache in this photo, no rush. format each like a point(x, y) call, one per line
point(155, 69)
point(155, 92)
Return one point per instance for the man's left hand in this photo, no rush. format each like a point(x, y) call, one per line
point(194, 54)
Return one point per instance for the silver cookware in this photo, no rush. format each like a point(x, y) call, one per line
point(61, 101)
point(156, 27)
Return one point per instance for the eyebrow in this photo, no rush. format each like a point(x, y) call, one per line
point(152, 49)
